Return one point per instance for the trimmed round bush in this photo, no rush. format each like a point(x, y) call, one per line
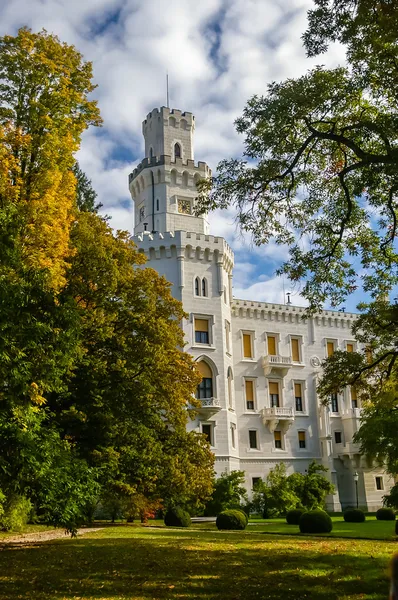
point(177, 517)
point(231, 519)
point(354, 515)
point(293, 516)
point(315, 521)
point(385, 514)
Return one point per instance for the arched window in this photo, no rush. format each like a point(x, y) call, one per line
point(150, 153)
point(197, 286)
point(173, 177)
point(205, 387)
point(159, 176)
point(185, 178)
point(157, 204)
point(177, 151)
point(183, 124)
point(172, 122)
point(204, 287)
point(230, 378)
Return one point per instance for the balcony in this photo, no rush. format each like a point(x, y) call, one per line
point(349, 450)
point(210, 407)
point(275, 363)
point(277, 415)
point(352, 413)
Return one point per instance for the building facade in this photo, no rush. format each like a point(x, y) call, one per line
point(260, 361)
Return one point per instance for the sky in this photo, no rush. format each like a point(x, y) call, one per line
point(218, 54)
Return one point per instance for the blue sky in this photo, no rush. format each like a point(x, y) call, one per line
point(218, 53)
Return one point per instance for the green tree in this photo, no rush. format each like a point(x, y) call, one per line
point(312, 487)
point(320, 175)
point(85, 193)
point(274, 496)
point(229, 492)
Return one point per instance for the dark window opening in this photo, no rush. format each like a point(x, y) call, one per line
point(202, 337)
point(253, 439)
point(205, 388)
point(207, 430)
point(334, 403)
point(177, 151)
point(197, 287)
point(274, 400)
point(255, 482)
point(379, 483)
point(337, 437)
point(204, 287)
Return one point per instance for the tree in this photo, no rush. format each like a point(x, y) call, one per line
point(320, 174)
point(85, 193)
point(274, 496)
point(312, 487)
point(229, 492)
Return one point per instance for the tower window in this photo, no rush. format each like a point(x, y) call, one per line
point(335, 403)
point(204, 287)
point(201, 331)
point(157, 204)
point(177, 151)
point(207, 430)
point(150, 153)
point(197, 286)
point(271, 344)
point(205, 387)
point(338, 437)
point(379, 483)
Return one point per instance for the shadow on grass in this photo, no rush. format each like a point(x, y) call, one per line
point(140, 563)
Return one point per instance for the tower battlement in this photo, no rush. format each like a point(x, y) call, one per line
point(166, 160)
point(164, 113)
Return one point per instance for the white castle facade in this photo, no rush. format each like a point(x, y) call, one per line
point(260, 361)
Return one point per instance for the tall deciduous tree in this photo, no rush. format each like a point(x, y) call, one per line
point(320, 174)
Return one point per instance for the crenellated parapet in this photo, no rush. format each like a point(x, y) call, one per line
point(189, 245)
point(166, 161)
point(169, 117)
point(268, 311)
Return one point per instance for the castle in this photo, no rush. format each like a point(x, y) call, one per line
point(260, 361)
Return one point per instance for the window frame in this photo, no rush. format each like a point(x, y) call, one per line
point(197, 286)
point(301, 383)
point(334, 398)
point(250, 333)
point(205, 388)
point(381, 479)
point(211, 428)
point(340, 433)
point(280, 441)
point(256, 447)
point(254, 483)
point(210, 321)
point(253, 381)
point(302, 447)
point(270, 400)
point(335, 343)
point(299, 339)
point(276, 336)
point(230, 389)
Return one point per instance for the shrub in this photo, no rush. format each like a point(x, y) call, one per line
point(354, 515)
point(385, 514)
point(231, 519)
point(315, 521)
point(177, 517)
point(396, 527)
point(16, 513)
point(293, 516)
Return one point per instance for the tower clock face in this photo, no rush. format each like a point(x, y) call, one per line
point(184, 206)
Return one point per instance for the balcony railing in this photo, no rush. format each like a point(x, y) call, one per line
point(282, 412)
point(210, 406)
point(352, 413)
point(276, 362)
point(277, 414)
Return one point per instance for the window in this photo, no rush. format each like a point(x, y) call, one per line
point(278, 440)
point(253, 439)
point(301, 439)
point(249, 392)
point(247, 345)
point(230, 378)
point(271, 345)
point(334, 403)
point(274, 393)
point(233, 430)
point(295, 350)
point(298, 395)
point(207, 430)
point(197, 286)
point(350, 347)
point(157, 204)
point(338, 437)
point(330, 348)
point(201, 331)
point(228, 336)
point(150, 153)
point(379, 483)
point(177, 151)
point(354, 398)
point(255, 482)
point(205, 387)
point(142, 213)
point(204, 287)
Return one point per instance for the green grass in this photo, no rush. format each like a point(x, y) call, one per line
point(145, 563)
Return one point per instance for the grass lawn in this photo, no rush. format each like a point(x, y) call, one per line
point(143, 563)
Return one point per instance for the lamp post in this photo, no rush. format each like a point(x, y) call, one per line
point(356, 477)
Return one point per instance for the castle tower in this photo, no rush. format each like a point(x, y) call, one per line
point(163, 185)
